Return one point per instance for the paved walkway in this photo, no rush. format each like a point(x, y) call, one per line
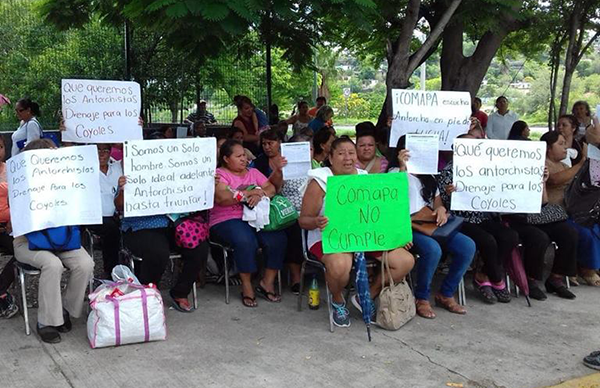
point(275, 346)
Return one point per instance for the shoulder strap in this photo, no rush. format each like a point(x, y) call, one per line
point(371, 164)
point(385, 267)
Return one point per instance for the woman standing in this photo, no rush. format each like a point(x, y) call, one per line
point(500, 122)
point(29, 129)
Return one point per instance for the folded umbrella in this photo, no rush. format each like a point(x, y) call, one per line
point(362, 289)
point(516, 271)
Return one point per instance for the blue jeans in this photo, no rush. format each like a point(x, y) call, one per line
point(462, 249)
point(245, 241)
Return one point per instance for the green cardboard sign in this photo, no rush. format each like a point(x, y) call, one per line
point(367, 213)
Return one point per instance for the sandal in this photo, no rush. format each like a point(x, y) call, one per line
point(269, 296)
point(181, 304)
point(249, 301)
point(449, 304)
point(591, 280)
point(485, 292)
point(424, 309)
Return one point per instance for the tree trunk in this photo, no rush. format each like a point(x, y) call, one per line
point(554, 68)
point(462, 73)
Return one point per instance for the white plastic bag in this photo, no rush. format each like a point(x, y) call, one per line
point(125, 313)
point(123, 272)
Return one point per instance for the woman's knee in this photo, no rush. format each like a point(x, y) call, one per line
point(429, 250)
point(338, 265)
point(401, 260)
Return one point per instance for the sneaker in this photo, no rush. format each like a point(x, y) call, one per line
point(340, 315)
point(356, 302)
point(8, 307)
point(295, 289)
point(593, 360)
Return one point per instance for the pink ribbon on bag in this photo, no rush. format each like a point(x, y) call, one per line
point(115, 301)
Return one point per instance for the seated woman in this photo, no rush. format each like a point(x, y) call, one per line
point(149, 238)
point(367, 154)
point(321, 120)
point(588, 248)
point(109, 231)
point(241, 186)
point(423, 192)
point(342, 157)
point(300, 120)
point(8, 307)
point(493, 240)
point(519, 131)
point(54, 312)
point(238, 135)
point(567, 126)
point(537, 238)
point(321, 142)
point(270, 163)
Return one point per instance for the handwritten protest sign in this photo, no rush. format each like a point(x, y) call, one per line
point(443, 113)
point(169, 176)
point(498, 175)
point(100, 111)
point(367, 213)
point(54, 187)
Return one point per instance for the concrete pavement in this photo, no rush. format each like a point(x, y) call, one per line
point(275, 346)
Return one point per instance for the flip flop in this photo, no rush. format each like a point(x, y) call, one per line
point(177, 306)
point(269, 296)
point(249, 301)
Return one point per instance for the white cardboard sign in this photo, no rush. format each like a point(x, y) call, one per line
point(443, 113)
point(169, 176)
point(54, 187)
point(298, 158)
point(504, 176)
point(100, 111)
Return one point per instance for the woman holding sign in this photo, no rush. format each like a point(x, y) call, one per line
point(494, 241)
point(342, 157)
point(425, 201)
point(240, 187)
point(55, 312)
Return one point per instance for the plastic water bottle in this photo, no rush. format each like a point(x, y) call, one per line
point(314, 297)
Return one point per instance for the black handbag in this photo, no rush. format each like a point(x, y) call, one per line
point(548, 214)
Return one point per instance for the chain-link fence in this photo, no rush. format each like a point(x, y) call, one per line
point(36, 56)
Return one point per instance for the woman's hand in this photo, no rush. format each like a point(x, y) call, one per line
point(408, 246)
point(321, 222)
point(61, 125)
point(217, 179)
point(279, 162)
point(450, 189)
point(122, 181)
point(253, 200)
point(441, 216)
point(546, 174)
point(257, 192)
point(403, 157)
point(390, 119)
point(140, 121)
